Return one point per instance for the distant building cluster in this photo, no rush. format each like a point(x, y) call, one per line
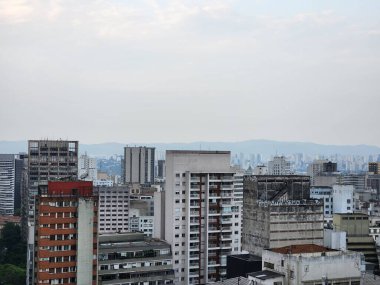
point(192, 217)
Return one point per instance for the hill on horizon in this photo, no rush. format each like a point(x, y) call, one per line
point(264, 147)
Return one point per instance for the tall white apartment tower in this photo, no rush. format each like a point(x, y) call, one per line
point(7, 184)
point(138, 165)
point(87, 169)
point(202, 220)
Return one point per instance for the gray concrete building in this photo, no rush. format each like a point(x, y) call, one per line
point(138, 165)
point(131, 258)
point(48, 160)
point(277, 211)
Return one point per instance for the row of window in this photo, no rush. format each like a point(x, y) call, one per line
point(133, 254)
point(59, 269)
point(59, 259)
point(134, 265)
point(60, 203)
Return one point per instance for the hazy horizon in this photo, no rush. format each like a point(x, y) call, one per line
point(189, 71)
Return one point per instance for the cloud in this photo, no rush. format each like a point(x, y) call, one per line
point(15, 11)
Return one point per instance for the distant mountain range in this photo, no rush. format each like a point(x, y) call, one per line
point(264, 147)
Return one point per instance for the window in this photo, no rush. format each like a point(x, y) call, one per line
point(348, 201)
point(268, 265)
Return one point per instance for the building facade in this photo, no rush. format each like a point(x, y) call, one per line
point(7, 183)
point(278, 211)
point(202, 220)
point(66, 234)
point(48, 160)
point(139, 165)
point(113, 209)
point(87, 169)
point(131, 258)
point(356, 226)
point(343, 199)
point(279, 166)
point(310, 264)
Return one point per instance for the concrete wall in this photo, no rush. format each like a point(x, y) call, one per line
point(85, 253)
point(343, 196)
point(299, 268)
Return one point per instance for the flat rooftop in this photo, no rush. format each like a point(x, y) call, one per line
point(233, 281)
point(265, 274)
point(301, 248)
point(247, 257)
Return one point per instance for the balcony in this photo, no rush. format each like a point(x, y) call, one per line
point(226, 237)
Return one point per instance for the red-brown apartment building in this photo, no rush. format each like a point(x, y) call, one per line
point(66, 234)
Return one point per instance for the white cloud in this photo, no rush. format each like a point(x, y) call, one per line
point(15, 11)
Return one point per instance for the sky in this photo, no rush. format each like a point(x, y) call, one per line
point(182, 71)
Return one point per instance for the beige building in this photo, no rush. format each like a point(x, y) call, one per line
point(358, 239)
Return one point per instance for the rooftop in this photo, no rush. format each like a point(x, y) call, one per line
point(265, 274)
point(233, 281)
point(301, 248)
point(247, 257)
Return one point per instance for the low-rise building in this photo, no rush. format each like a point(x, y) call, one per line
point(132, 258)
point(309, 264)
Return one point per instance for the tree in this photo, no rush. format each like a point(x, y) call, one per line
point(12, 248)
point(12, 275)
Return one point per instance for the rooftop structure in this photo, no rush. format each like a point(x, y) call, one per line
point(277, 212)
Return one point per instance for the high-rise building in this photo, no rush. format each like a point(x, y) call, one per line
point(139, 165)
point(161, 168)
point(7, 183)
point(66, 234)
point(357, 180)
point(374, 167)
point(322, 172)
point(202, 220)
point(278, 211)
point(113, 209)
point(87, 169)
point(48, 160)
point(21, 167)
point(279, 166)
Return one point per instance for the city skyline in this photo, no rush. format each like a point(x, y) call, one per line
point(188, 71)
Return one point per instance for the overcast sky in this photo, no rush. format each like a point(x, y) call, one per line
point(181, 71)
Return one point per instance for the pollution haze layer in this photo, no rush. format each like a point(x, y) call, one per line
point(264, 147)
